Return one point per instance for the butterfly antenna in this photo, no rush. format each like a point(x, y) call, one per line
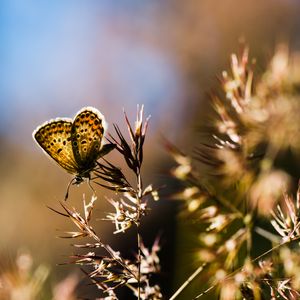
point(68, 188)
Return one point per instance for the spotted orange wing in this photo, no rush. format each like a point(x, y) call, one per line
point(87, 137)
point(54, 137)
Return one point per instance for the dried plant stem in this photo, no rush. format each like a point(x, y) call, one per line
point(188, 281)
point(139, 262)
point(267, 235)
point(248, 226)
point(206, 291)
point(229, 206)
point(220, 200)
point(110, 252)
point(200, 269)
point(139, 195)
point(239, 269)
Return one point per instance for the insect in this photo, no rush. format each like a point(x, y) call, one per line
point(75, 144)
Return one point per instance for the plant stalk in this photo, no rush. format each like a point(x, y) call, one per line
point(188, 281)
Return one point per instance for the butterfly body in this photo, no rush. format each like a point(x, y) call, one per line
point(74, 144)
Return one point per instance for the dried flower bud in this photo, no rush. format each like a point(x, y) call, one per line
point(208, 239)
point(208, 212)
point(182, 171)
point(266, 191)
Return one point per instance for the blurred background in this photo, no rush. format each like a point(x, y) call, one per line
point(58, 56)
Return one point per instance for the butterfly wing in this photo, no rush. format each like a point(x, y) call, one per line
point(55, 139)
point(87, 135)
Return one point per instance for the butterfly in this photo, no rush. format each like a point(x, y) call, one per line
point(75, 144)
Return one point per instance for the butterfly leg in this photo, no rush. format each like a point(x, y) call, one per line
point(68, 188)
point(89, 183)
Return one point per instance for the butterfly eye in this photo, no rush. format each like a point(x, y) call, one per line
point(75, 143)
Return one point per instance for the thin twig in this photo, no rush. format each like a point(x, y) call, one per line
point(188, 281)
point(139, 194)
point(139, 262)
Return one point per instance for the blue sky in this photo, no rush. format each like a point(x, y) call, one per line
point(57, 56)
